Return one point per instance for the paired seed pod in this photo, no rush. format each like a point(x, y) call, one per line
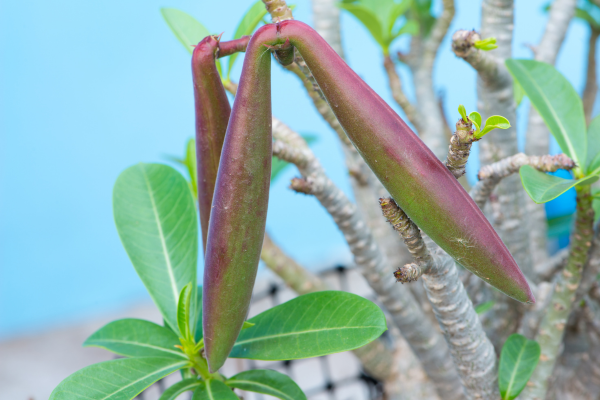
point(420, 184)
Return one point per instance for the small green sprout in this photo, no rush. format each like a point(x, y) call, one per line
point(493, 122)
point(486, 44)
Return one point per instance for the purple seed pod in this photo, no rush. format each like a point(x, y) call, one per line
point(212, 116)
point(239, 209)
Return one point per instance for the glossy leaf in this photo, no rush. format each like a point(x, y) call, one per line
point(247, 325)
point(542, 187)
point(136, 338)
point(411, 27)
point(587, 17)
point(180, 387)
point(268, 382)
point(311, 325)
point(463, 112)
point(397, 10)
point(183, 311)
point(493, 122)
point(518, 359)
point(120, 379)
point(518, 93)
point(593, 157)
point(156, 219)
point(486, 44)
point(557, 102)
point(483, 307)
point(475, 118)
point(247, 25)
point(187, 29)
point(367, 18)
point(214, 390)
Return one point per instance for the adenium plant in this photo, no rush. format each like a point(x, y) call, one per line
point(230, 171)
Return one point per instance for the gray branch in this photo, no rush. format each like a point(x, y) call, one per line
point(425, 341)
point(471, 350)
point(326, 21)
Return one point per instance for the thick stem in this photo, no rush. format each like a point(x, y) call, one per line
point(278, 10)
point(473, 353)
point(460, 148)
point(553, 324)
point(424, 339)
point(591, 82)
point(559, 18)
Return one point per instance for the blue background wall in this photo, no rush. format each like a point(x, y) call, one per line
point(90, 88)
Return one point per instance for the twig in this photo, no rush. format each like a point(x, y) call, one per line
point(424, 339)
point(550, 268)
point(473, 353)
point(460, 148)
point(278, 10)
point(553, 324)
point(490, 175)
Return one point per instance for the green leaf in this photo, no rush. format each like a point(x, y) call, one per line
point(368, 19)
point(463, 112)
point(311, 325)
point(269, 382)
point(183, 312)
point(493, 122)
point(593, 156)
point(121, 379)
point(136, 338)
point(518, 92)
point(187, 29)
point(247, 325)
point(411, 27)
point(475, 118)
point(247, 25)
point(542, 187)
point(483, 307)
point(486, 44)
point(214, 390)
point(587, 17)
point(557, 102)
point(156, 219)
point(518, 359)
point(397, 10)
point(180, 387)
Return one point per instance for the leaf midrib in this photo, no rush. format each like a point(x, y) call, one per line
point(282, 394)
point(512, 376)
point(301, 333)
point(162, 349)
point(140, 379)
point(161, 236)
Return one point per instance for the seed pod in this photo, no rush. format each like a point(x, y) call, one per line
point(212, 116)
point(239, 209)
point(420, 184)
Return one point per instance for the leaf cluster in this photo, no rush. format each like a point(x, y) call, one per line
point(561, 108)
point(383, 19)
